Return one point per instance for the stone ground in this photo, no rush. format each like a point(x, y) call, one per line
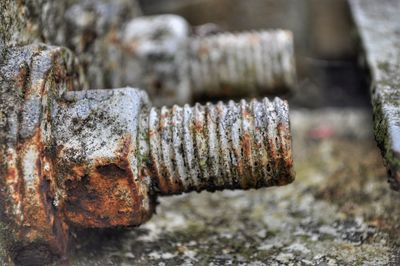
point(339, 210)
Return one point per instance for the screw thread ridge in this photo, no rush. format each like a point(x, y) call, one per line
point(223, 146)
point(248, 62)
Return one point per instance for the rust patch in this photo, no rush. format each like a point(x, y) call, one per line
point(250, 140)
point(246, 145)
point(105, 197)
point(35, 228)
point(286, 155)
point(105, 194)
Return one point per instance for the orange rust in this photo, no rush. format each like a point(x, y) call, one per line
point(272, 151)
point(58, 224)
point(198, 126)
point(246, 114)
point(131, 47)
point(285, 145)
point(60, 190)
point(105, 194)
point(126, 146)
point(254, 38)
point(246, 144)
point(12, 182)
point(240, 166)
point(39, 222)
point(286, 161)
point(247, 152)
point(166, 184)
point(158, 172)
point(11, 173)
point(204, 50)
point(160, 182)
point(79, 171)
point(106, 197)
point(21, 79)
point(28, 191)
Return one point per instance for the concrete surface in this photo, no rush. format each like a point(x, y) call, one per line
point(378, 24)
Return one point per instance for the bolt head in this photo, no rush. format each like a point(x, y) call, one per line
point(35, 75)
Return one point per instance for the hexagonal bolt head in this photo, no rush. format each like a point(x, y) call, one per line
point(158, 54)
point(31, 79)
point(99, 158)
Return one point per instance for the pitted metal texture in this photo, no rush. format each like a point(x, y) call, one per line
point(99, 158)
point(73, 158)
point(115, 152)
point(31, 77)
point(224, 146)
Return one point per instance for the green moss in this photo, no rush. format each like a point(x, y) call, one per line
point(384, 66)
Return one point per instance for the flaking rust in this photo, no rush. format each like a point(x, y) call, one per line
point(30, 78)
point(116, 153)
point(99, 158)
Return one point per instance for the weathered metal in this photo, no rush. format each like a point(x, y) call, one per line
point(116, 152)
point(23, 22)
point(99, 158)
point(248, 63)
point(91, 29)
point(87, 27)
point(154, 53)
point(160, 55)
point(31, 78)
point(378, 25)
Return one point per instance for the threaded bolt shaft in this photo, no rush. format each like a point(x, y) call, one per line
point(242, 64)
point(173, 66)
point(211, 147)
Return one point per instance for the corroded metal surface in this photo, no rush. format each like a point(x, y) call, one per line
point(98, 164)
point(30, 77)
point(378, 24)
point(92, 27)
point(152, 53)
point(152, 50)
point(99, 158)
point(24, 22)
point(338, 212)
point(87, 27)
point(236, 145)
point(74, 159)
point(247, 63)
point(160, 55)
point(115, 153)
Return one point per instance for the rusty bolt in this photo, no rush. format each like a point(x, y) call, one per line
point(99, 158)
point(159, 55)
point(31, 78)
point(116, 153)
